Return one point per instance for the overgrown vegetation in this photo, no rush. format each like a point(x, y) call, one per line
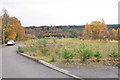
point(70, 50)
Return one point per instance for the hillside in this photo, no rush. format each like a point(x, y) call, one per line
point(59, 30)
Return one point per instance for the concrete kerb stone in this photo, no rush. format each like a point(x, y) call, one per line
point(51, 66)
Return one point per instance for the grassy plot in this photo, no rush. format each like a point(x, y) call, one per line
point(71, 51)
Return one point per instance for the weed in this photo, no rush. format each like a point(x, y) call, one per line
point(98, 55)
point(52, 57)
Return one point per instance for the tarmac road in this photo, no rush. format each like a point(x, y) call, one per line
point(17, 66)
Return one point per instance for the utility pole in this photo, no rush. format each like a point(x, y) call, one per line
point(3, 37)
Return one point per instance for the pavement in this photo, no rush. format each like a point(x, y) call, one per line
point(93, 72)
point(17, 66)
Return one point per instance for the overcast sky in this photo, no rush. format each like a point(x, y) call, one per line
point(61, 12)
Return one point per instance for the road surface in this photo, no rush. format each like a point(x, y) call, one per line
point(17, 66)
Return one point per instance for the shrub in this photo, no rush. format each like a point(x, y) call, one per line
point(114, 55)
point(45, 46)
point(33, 49)
point(84, 52)
point(52, 57)
point(87, 54)
point(21, 49)
point(42, 46)
point(66, 54)
point(98, 55)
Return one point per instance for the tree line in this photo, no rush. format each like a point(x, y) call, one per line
point(95, 30)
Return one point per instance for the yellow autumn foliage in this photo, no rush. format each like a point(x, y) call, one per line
point(13, 28)
point(96, 30)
